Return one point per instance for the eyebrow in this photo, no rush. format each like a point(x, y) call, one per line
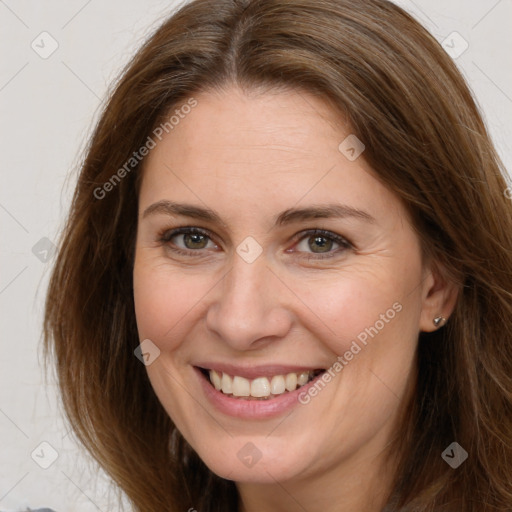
point(286, 217)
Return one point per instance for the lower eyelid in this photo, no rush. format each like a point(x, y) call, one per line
point(323, 255)
point(168, 235)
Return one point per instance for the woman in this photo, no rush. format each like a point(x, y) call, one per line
point(285, 281)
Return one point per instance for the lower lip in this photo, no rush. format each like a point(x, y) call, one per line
point(252, 409)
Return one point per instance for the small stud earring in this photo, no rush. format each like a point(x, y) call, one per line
point(439, 321)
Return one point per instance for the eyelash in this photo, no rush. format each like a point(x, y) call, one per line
point(165, 237)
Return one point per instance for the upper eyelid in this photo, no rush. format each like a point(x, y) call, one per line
point(182, 230)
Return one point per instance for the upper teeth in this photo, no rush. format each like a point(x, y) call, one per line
point(260, 387)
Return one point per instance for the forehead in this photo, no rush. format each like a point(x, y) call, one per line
point(259, 148)
point(280, 124)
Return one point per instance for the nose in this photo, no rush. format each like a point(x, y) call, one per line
point(248, 308)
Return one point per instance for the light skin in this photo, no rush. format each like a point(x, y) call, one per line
point(250, 157)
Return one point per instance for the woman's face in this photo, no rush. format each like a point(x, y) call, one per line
point(300, 261)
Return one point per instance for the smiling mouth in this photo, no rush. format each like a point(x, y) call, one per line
point(261, 388)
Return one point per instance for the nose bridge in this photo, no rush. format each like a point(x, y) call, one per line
point(247, 305)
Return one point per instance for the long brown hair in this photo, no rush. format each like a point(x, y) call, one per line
point(425, 139)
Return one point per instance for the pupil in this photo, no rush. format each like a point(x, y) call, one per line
point(324, 244)
point(196, 240)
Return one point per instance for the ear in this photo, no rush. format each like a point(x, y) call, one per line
point(439, 296)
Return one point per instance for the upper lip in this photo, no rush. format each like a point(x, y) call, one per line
point(253, 372)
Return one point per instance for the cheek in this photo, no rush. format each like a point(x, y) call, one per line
point(345, 305)
point(372, 316)
point(165, 300)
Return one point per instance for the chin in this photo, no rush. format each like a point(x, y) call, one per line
point(255, 459)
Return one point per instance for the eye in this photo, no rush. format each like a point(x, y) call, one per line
point(187, 239)
point(321, 244)
point(316, 243)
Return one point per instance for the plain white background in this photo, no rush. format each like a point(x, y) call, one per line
point(48, 107)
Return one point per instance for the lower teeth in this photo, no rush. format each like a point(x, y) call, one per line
point(254, 397)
